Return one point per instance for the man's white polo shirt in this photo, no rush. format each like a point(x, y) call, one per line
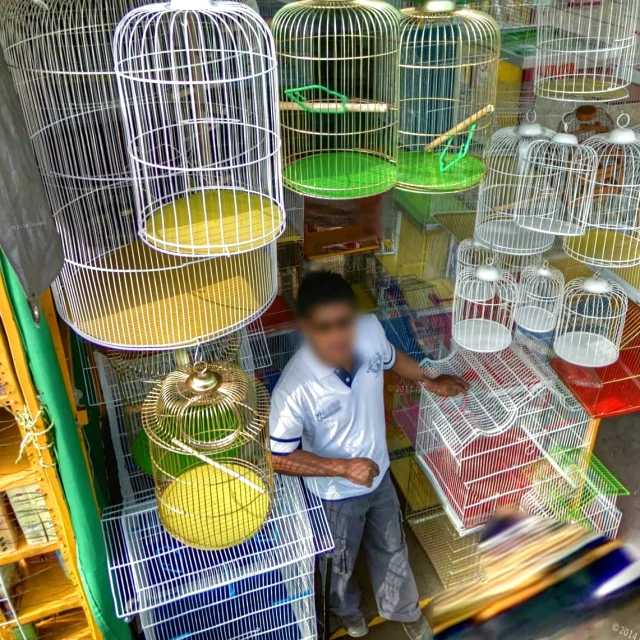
point(334, 413)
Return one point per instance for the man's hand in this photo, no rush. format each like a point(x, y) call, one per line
point(446, 386)
point(360, 471)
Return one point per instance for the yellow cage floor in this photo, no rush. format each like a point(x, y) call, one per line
point(207, 509)
point(218, 221)
point(180, 303)
point(604, 248)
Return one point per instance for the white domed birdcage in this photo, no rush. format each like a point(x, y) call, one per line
point(586, 121)
point(138, 372)
point(113, 289)
point(338, 64)
point(448, 79)
point(555, 189)
point(198, 89)
point(472, 254)
point(207, 425)
point(506, 163)
point(484, 301)
point(540, 293)
point(589, 330)
point(612, 236)
point(586, 50)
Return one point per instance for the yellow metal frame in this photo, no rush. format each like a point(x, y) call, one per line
point(20, 397)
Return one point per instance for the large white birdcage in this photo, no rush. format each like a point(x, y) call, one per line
point(338, 68)
point(592, 316)
point(612, 236)
point(114, 290)
point(585, 50)
point(484, 301)
point(475, 473)
point(198, 89)
point(540, 294)
point(555, 189)
point(448, 79)
point(506, 163)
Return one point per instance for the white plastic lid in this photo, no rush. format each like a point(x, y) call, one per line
point(439, 5)
point(529, 129)
point(622, 136)
point(189, 5)
point(565, 138)
point(488, 273)
point(596, 284)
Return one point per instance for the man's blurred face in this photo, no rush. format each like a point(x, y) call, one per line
point(331, 331)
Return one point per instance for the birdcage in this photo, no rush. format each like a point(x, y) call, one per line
point(612, 237)
point(484, 301)
point(495, 226)
point(282, 342)
point(113, 289)
point(586, 493)
point(509, 14)
point(556, 186)
point(592, 316)
point(338, 64)
point(586, 121)
point(471, 254)
point(209, 443)
point(586, 50)
point(275, 605)
point(448, 79)
point(198, 90)
point(541, 289)
point(294, 208)
point(148, 568)
point(475, 472)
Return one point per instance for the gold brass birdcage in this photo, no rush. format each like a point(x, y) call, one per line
point(138, 372)
point(338, 66)
point(448, 81)
point(207, 425)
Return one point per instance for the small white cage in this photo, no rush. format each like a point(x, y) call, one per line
point(448, 79)
point(495, 226)
point(338, 65)
point(612, 237)
point(586, 50)
point(471, 254)
point(483, 304)
point(556, 186)
point(586, 121)
point(592, 318)
point(541, 289)
point(198, 90)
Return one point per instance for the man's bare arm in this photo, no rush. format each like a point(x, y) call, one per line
point(444, 385)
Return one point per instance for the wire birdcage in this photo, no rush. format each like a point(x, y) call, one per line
point(540, 294)
point(586, 121)
point(506, 162)
point(209, 440)
point(338, 64)
point(113, 289)
point(484, 302)
point(589, 331)
point(612, 236)
point(448, 79)
point(471, 254)
point(555, 189)
point(198, 90)
point(586, 50)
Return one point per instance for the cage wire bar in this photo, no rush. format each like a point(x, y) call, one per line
point(198, 90)
point(338, 66)
point(585, 50)
point(148, 568)
point(113, 289)
point(448, 78)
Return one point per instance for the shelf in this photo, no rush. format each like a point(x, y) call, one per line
point(12, 474)
point(355, 240)
point(25, 550)
point(71, 625)
point(46, 592)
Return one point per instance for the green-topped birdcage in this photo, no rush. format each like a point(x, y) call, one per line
point(448, 81)
point(338, 63)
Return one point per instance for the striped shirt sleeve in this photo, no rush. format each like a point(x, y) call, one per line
point(285, 422)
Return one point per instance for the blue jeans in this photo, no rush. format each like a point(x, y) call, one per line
point(373, 521)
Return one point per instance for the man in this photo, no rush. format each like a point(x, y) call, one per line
point(327, 420)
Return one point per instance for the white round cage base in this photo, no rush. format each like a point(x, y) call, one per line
point(505, 236)
point(554, 227)
point(119, 301)
point(581, 88)
point(481, 335)
point(535, 319)
point(586, 349)
point(605, 248)
point(216, 222)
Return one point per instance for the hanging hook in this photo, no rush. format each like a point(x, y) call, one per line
point(531, 115)
point(564, 120)
point(620, 119)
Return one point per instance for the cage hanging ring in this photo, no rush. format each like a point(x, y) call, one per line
point(531, 115)
point(621, 118)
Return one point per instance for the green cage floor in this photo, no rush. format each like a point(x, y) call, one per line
point(420, 171)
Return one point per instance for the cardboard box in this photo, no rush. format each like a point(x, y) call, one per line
point(32, 514)
point(8, 530)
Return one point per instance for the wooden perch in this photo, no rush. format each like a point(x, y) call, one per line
point(459, 128)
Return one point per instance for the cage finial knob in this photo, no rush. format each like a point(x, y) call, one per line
point(203, 379)
point(438, 6)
